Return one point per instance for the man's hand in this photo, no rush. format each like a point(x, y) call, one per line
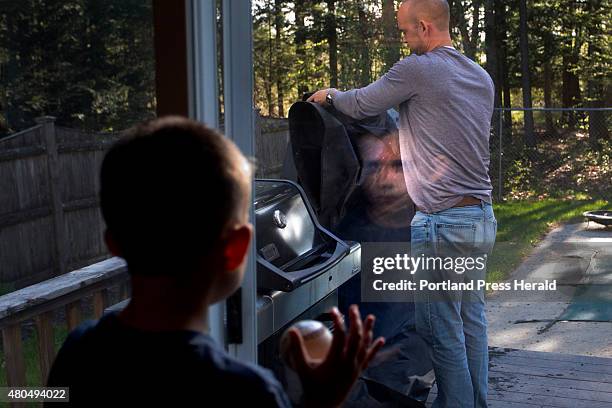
point(319, 97)
point(326, 384)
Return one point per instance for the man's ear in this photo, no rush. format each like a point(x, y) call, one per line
point(422, 26)
point(111, 243)
point(236, 246)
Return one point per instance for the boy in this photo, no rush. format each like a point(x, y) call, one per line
point(175, 196)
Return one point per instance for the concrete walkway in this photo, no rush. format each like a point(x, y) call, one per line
point(578, 258)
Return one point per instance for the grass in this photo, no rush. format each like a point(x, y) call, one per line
point(6, 288)
point(521, 224)
point(30, 353)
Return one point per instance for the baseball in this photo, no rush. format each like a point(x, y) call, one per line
point(317, 340)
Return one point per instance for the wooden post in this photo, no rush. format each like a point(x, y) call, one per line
point(100, 300)
point(73, 314)
point(13, 355)
point(59, 250)
point(46, 343)
point(170, 42)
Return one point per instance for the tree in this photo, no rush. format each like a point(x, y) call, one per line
point(545, 22)
point(280, 68)
point(300, 45)
point(469, 35)
point(598, 60)
point(263, 55)
point(526, 82)
point(332, 42)
point(91, 66)
point(571, 44)
point(562, 60)
point(365, 62)
point(502, 62)
point(391, 40)
point(492, 49)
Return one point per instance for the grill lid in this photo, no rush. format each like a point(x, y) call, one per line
point(291, 245)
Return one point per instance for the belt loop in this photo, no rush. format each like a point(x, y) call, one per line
point(482, 204)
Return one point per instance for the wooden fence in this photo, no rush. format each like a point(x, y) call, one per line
point(49, 217)
point(42, 301)
point(271, 141)
point(50, 222)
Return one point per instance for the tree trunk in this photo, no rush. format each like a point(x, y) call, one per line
point(366, 64)
point(570, 91)
point(332, 41)
point(13, 115)
point(549, 51)
point(391, 41)
point(476, 25)
point(270, 67)
point(300, 47)
point(548, 78)
point(453, 16)
point(491, 48)
point(502, 39)
point(598, 129)
point(468, 48)
point(279, 69)
point(526, 82)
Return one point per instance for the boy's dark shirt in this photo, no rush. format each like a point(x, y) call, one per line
point(106, 363)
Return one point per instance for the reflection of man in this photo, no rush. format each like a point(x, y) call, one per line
point(445, 104)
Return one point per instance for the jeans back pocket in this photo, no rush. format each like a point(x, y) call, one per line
point(456, 239)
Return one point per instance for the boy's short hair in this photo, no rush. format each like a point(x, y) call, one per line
point(168, 189)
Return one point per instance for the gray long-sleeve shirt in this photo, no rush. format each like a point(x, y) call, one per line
point(445, 104)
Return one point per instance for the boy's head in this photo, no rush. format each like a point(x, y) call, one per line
point(175, 196)
point(383, 177)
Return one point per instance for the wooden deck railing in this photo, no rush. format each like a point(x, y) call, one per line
point(40, 301)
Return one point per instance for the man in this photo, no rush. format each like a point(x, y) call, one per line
point(445, 103)
point(175, 196)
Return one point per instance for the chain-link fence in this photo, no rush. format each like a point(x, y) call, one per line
point(551, 152)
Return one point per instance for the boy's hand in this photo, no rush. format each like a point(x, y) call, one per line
point(327, 383)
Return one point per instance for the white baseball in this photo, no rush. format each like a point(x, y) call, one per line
point(317, 340)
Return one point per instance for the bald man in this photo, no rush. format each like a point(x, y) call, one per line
point(445, 103)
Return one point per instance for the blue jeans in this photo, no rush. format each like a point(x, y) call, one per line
point(455, 326)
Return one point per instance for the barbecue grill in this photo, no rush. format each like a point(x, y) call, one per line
point(299, 263)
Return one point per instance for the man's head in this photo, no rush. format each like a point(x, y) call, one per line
point(175, 197)
point(424, 24)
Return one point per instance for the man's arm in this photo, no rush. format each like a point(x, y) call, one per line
point(393, 88)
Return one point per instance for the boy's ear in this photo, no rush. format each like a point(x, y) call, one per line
point(111, 243)
point(236, 246)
